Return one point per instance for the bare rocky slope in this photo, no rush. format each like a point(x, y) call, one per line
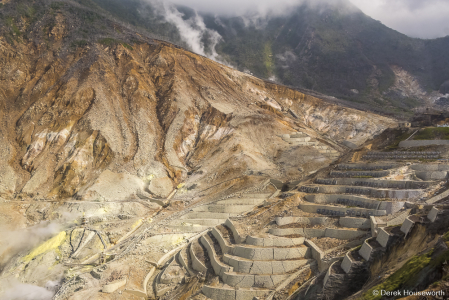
point(97, 137)
point(150, 110)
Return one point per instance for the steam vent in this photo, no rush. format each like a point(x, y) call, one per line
point(170, 151)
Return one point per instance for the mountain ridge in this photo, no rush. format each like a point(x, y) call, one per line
point(326, 49)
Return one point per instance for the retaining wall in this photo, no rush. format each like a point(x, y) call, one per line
point(213, 292)
point(407, 225)
point(301, 220)
point(361, 223)
point(197, 265)
point(312, 208)
point(430, 167)
point(219, 267)
point(316, 252)
point(399, 219)
point(332, 199)
point(237, 237)
point(421, 143)
point(225, 248)
point(346, 263)
point(431, 175)
point(382, 237)
point(365, 250)
point(306, 232)
point(432, 216)
point(375, 174)
point(438, 197)
point(274, 242)
point(377, 183)
point(341, 234)
point(373, 222)
point(391, 207)
point(368, 191)
point(366, 167)
point(271, 253)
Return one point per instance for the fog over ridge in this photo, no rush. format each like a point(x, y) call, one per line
point(415, 18)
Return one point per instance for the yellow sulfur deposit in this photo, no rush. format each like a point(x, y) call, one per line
point(137, 224)
point(51, 244)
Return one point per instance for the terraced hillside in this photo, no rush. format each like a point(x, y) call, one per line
point(130, 167)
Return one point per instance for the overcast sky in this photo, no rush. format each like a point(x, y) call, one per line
point(416, 18)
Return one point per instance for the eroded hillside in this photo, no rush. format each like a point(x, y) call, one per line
point(153, 111)
point(116, 152)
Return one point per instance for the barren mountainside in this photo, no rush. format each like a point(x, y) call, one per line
point(152, 111)
point(131, 168)
point(330, 47)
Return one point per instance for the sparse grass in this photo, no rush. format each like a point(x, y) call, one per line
point(358, 247)
point(14, 29)
point(446, 236)
point(26, 11)
point(57, 5)
point(433, 133)
point(407, 273)
point(108, 41)
point(127, 46)
point(398, 139)
point(80, 43)
point(111, 41)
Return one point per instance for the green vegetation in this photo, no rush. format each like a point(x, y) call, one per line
point(127, 46)
point(13, 28)
point(395, 144)
point(357, 248)
point(446, 237)
point(408, 273)
point(57, 5)
point(111, 41)
point(433, 133)
point(108, 41)
point(268, 58)
point(26, 11)
point(79, 43)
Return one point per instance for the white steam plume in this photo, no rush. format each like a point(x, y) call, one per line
point(13, 241)
point(15, 290)
point(192, 30)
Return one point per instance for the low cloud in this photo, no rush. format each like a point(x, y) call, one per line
point(238, 7)
point(415, 18)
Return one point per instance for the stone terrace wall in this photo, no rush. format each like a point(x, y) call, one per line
point(361, 223)
point(280, 221)
point(422, 143)
point(430, 167)
point(433, 214)
point(346, 263)
point(383, 237)
point(342, 234)
point(312, 208)
point(366, 250)
point(377, 183)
